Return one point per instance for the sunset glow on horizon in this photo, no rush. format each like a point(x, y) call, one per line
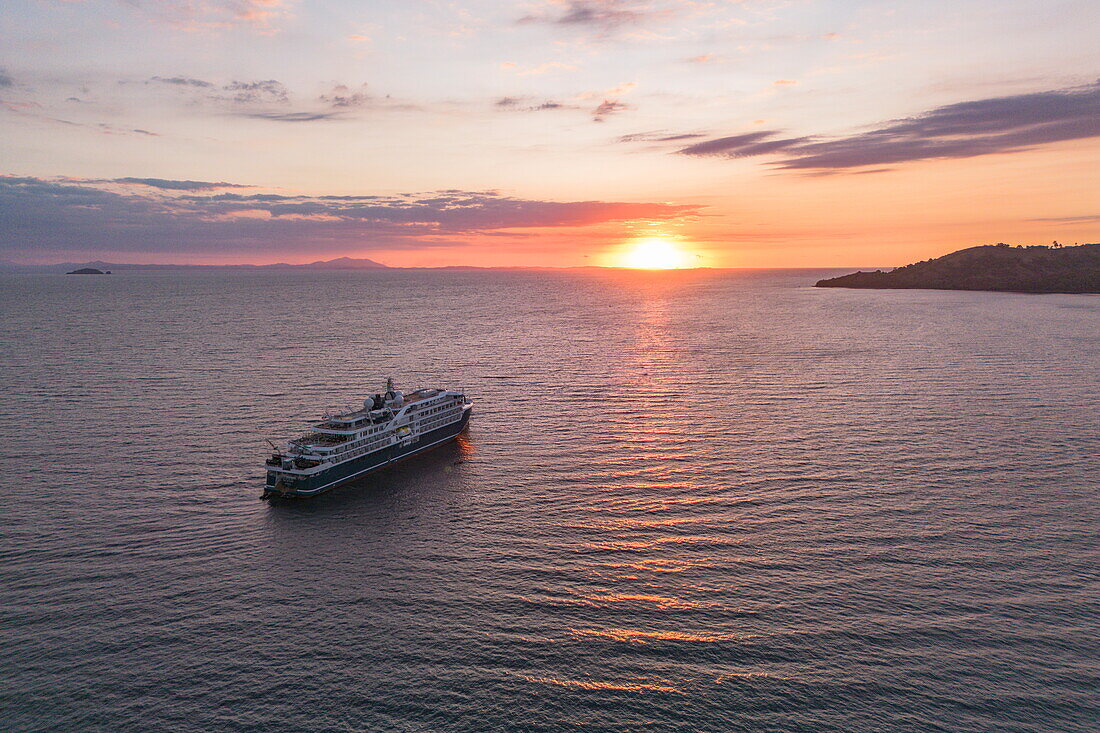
point(654, 254)
point(546, 133)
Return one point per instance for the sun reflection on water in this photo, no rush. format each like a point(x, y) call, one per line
point(599, 685)
point(643, 637)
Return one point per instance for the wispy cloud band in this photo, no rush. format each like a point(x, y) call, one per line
point(179, 216)
point(962, 130)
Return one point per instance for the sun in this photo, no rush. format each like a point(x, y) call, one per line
point(654, 254)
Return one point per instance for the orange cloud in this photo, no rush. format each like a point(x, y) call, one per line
point(543, 68)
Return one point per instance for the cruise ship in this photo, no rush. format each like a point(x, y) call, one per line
point(343, 447)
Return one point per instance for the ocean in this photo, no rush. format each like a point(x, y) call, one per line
point(687, 501)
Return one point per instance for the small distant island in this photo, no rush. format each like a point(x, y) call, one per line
point(996, 267)
point(99, 267)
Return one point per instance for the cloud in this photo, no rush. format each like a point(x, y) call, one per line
point(742, 146)
point(724, 146)
point(289, 116)
point(342, 97)
point(171, 185)
point(526, 104)
point(962, 130)
point(256, 99)
point(32, 111)
point(5, 79)
point(625, 88)
point(608, 102)
point(270, 99)
point(1083, 219)
point(43, 216)
point(660, 137)
point(608, 107)
point(251, 92)
point(182, 81)
point(604, 14)
point(214, 15)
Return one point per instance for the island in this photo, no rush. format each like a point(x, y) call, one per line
point(98, 267)
point(997, 267)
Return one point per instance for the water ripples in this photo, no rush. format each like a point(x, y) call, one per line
point(688, 501)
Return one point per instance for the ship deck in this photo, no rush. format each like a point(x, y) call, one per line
point(336, 422)
point(321, 439)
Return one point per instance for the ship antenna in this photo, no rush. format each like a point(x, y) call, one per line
point(274, 447)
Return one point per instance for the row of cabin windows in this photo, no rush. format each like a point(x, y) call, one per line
point(373, 445)
point(426, 412)
point(365, 449)
point(435, 422)
point(372, 431)
point(378, 442)
point(356, 443)
point(435, 410)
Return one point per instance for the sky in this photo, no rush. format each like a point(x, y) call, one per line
point(751, 133)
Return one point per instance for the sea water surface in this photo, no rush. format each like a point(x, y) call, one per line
point(688, 501)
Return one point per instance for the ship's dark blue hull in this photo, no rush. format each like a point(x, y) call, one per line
point(297, 487)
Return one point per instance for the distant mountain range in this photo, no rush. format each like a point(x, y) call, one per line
point(1035, 269)
point(342, 263)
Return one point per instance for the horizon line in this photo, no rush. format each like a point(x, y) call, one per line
point(138, 266)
